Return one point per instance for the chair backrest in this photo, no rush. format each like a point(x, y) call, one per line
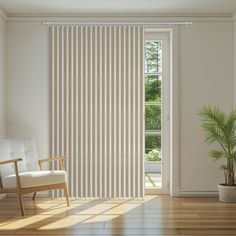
point(18, 148)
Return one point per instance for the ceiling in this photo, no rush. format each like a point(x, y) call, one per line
point(53, 7)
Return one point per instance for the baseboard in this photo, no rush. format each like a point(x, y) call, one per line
point(198, 193)
point(174, 192)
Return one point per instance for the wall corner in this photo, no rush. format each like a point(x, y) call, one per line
point(234, 58)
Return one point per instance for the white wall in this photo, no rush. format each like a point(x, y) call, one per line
point(2, 78)
point(206, 78)
point(28, 83)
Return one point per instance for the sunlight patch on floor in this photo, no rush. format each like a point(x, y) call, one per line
point(57, 215)
point(18, 223)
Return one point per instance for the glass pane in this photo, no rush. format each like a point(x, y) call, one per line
point(153, 57)
point(152, 117)
point(152, 148)
point(153, 88)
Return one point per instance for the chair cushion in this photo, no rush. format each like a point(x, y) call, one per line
point(20, 148)
point(35, 178)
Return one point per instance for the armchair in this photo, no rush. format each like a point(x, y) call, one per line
point(20, 170)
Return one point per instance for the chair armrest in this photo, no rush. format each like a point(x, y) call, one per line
point(60, 159)
point(10, 161)
point(52, 159)
point(14, 161)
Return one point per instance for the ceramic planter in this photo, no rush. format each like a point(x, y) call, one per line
point(227, 193)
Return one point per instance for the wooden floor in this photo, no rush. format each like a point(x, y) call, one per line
point(155, 215)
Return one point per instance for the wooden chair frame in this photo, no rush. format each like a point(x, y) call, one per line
point(21, 191)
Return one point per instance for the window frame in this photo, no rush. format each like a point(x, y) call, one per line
point(165, 111)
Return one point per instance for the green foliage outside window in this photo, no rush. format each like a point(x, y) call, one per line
point(152, 148)
point(152, 88)
point(153, 117)
point(153, 57)
point(153, 81)
point(153, 155)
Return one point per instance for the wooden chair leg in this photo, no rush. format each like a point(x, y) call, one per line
point(34, 196)
point(21, 202)
point(66, 194)
point(18, 185)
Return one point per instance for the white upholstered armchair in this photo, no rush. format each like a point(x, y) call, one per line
point(20, 170)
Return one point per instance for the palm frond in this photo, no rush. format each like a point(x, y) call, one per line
point(221, 128)
point(216, 155)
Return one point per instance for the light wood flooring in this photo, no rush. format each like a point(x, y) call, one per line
point(154, 215)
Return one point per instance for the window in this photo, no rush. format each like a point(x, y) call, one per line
point(156, 107)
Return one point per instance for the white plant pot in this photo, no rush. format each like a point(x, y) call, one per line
point(153, 167)
point(227, 193)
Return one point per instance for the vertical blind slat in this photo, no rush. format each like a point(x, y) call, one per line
point(57, 94)
point(97, 107)
point(81, 112)
point(53, 142)
point(100, 113)
point(96, 112)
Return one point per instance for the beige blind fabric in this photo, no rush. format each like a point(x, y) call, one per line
point(97, 108)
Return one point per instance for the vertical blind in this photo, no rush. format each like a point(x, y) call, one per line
point(97, 108)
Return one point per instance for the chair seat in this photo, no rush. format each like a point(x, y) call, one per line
point(35, 178)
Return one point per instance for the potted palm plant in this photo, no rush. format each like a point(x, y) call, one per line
point(220, 127)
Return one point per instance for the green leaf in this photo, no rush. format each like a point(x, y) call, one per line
point(216, 155)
